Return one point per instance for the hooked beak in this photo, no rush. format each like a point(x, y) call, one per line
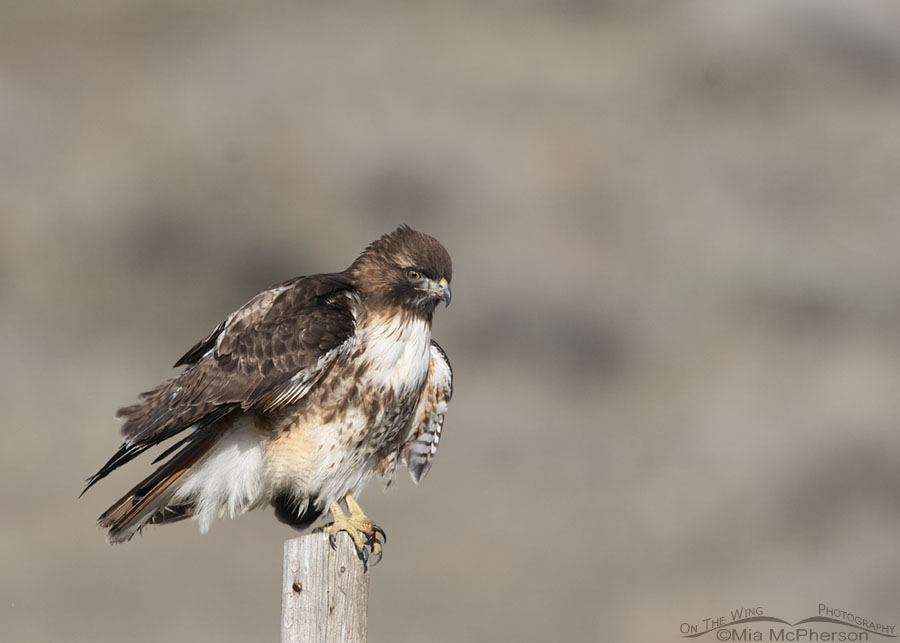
point(439, 290)
point(443, 291)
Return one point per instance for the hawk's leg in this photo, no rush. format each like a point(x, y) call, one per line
point(367, 536)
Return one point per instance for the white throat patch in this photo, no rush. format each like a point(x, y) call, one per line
point(397, 351)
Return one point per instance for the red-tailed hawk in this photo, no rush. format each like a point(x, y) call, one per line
point(297, 398)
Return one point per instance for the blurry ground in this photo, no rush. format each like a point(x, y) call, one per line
point(676, 314)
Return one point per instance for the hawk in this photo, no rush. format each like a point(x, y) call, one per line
point(298, 398)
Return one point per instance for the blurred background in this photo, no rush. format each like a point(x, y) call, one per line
point(676, 316)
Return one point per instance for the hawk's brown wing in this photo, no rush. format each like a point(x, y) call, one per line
point(267, 354)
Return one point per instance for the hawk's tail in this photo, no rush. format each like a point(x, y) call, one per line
point(148, 502)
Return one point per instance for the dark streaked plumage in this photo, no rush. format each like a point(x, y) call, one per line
point(298, 396)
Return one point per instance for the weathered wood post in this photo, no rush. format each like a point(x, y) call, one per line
point(324, 593)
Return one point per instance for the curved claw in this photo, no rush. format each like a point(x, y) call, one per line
point(376, 530)
point(378, 553)
point(375, 545)
point(332, 541)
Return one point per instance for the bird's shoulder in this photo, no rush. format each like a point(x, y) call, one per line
point(308, 315)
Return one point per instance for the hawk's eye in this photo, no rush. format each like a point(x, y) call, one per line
point(413, 275)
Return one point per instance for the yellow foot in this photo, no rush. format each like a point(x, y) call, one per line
point(357, 525)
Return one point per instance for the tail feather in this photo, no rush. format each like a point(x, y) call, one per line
point(148, 502)
point(128, 451)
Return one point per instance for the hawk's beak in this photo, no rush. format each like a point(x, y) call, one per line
point(443, 291)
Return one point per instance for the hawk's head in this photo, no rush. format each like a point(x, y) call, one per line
point(405, 269)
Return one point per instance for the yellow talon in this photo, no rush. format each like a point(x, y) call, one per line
point(356, 524)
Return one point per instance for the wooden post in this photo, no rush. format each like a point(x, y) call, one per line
point(325, 593)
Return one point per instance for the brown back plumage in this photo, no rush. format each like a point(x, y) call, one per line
point(270, 350)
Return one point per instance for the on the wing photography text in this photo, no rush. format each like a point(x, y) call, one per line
point(753, 624)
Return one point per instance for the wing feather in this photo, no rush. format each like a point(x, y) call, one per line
point(256, 307)
point(419, 450)
point(267, 354)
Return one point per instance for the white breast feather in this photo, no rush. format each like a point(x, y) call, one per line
point(397, 352)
